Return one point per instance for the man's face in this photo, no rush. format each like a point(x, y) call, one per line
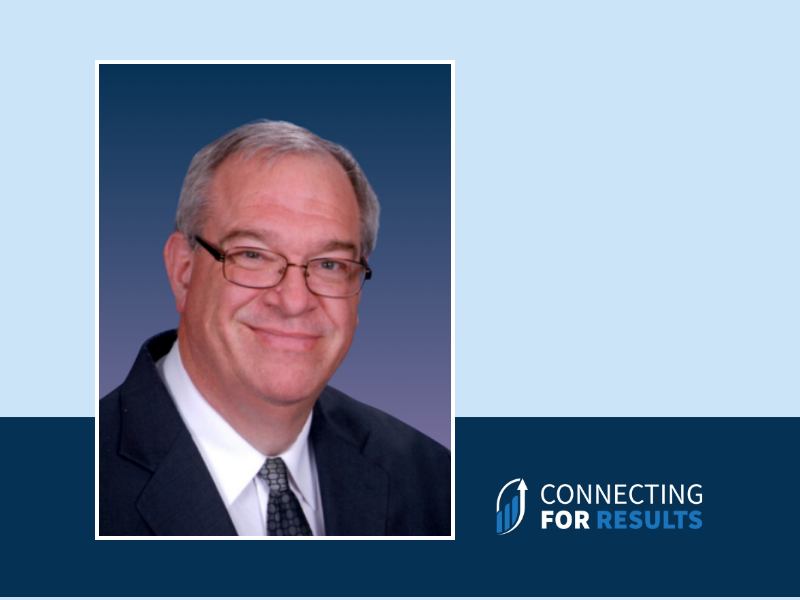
point(281, 344)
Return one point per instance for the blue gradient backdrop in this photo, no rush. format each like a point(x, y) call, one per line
point(395, 119)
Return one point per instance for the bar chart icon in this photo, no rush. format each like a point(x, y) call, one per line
point(510, 515)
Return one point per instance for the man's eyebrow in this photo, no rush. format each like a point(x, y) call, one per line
point(265, 238)
point(338, 245)
point(261, 236)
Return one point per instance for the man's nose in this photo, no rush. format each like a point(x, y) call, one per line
point(292, 295)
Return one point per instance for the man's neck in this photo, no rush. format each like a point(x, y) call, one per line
point(271, 428)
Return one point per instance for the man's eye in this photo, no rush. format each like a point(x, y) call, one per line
point(253, 259)
point(247, 255)
point(332, 265)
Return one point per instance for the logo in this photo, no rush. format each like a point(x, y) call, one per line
point(635, 506)
point(513, 511)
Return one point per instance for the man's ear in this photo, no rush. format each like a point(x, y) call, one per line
point(179, 259)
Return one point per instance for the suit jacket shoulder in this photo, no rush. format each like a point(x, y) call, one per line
point(417, 468)
point(153, 480)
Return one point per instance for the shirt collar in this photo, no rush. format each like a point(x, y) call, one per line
point(231, 460)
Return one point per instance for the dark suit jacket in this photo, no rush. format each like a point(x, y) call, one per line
point(377, 475)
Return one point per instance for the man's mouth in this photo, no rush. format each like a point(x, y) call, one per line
point(285, 340)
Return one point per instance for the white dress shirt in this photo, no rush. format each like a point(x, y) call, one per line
point(234, 464)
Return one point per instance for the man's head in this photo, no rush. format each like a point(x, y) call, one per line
point(273, 187)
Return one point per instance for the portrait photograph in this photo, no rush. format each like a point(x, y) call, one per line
point(275, 300)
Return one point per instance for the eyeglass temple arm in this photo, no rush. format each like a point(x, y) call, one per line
point(368, 273)
point(211, 250)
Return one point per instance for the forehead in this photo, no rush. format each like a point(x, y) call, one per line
point(293, 196)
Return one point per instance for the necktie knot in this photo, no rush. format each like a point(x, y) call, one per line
point(274, 473)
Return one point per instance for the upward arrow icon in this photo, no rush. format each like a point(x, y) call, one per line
point(522, 488)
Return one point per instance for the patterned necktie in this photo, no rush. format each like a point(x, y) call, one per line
point(284, 513)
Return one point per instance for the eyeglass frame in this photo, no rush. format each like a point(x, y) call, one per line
point(220, 256)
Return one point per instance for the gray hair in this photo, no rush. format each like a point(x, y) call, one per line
point(270, 140)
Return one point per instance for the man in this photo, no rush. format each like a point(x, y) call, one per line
point(228, 426)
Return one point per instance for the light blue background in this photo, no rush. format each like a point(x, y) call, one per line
point(627, 191)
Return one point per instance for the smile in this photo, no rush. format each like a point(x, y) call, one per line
point(285, 340)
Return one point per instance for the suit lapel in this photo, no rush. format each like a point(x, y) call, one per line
point(354, 490)
point(180, 498)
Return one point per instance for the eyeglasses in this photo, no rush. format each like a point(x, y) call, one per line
point(261, 269)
